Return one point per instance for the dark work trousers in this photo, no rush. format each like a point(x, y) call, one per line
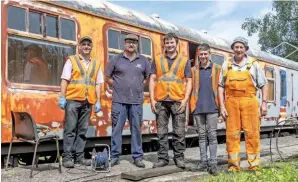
point(164, 110)
point(207, 126)
point(77, 116)
point(134, 113)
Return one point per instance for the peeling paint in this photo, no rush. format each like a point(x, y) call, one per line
point(42, 105)
point(157, 24)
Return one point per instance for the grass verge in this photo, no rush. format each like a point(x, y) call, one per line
point(286, 171)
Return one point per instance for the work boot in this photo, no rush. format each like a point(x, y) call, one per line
point(68, 164)
point(201, 166)
point(213, 170)
point(83, 161)
point(115, 161)
point(233, 169)
point(160, 163)
point(253, 168)
point(139, 163)
point(180, 163)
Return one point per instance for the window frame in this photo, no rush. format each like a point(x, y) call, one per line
point(217, 54)
point(108, 50)
point(26, 34)
point(118, 51)
point(271, 68)
point(141, 47)
point(43, 35)
point(58, 24)
point(41, 21)
point(282, 83)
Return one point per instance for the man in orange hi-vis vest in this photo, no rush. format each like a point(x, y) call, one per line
point(80, 89)
point(240, 78)
point(169, 96)
point(204, 107)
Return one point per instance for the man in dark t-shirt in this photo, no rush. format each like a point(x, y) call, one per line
point(126, 73)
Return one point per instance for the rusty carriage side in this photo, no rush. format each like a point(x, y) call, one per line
point(53, 28)
point(44, 34)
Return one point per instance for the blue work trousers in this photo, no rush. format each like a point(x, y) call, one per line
point(134, 113)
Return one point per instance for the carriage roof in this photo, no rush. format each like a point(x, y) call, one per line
point(121, 14)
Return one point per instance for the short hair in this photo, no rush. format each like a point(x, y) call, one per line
point(170, 36)
point(204, 47)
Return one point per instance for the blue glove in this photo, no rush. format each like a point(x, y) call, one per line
point(62, 102)
point(97, 107)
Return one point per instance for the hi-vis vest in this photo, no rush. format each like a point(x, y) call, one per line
point(236, 83)
point(170, 82)
point(82, 83)
point(196, 85)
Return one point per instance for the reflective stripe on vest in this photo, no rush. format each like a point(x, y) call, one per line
point(195, 90)
point(167, 79)
point(170, 80)
point(85, 80)
point(163, 69)
point(196, 85)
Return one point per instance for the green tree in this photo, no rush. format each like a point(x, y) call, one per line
point(280, 25)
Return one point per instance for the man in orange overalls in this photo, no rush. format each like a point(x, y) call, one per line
point(240, 78)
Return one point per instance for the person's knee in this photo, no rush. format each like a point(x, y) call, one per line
point(162, 130)
point(180, 131)
point(212, 136)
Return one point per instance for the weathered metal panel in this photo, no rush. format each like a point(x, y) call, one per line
point(109, 10)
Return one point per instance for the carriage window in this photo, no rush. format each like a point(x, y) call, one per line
point(113, 39)
point(68, 29)
point(111, 55)
point(116, 40)
point(271, 83)
point(122, 42)
point(52, 26)
point(16, 18)
point(283, 88)
point(36, 62)
point(35, 23)
point(146, 46)
point(217, 59)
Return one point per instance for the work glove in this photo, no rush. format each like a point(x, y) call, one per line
point(97, 107)
point(62, 102)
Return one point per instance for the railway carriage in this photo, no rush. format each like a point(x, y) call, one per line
point(38, 36)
